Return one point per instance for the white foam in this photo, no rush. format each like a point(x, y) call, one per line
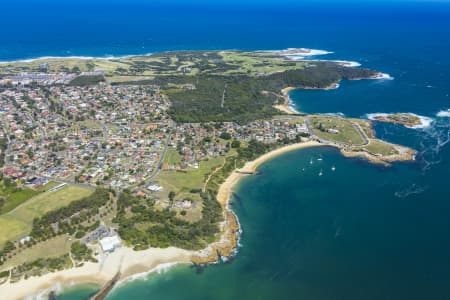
point(347, 63)
point(43, 294)
point(30, 60)
point(424, 121)
point(302, 53)
point(159, 269)
point(373, 116)
point(384, 76)
point(344, 63)
point(444, 113)
point(337, 114)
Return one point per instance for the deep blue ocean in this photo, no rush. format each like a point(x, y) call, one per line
point(360, 232)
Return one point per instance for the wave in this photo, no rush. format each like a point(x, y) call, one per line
point(344, 63)
point(384, 76)
point(159, 269)
point(444, 113)
point(336, 114)
point(301, 53)
point(44, 294)
point(373, 116)
point(347, 63)
point(425, 122)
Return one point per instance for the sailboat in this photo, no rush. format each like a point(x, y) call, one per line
point(311, 161)
point(320, 174)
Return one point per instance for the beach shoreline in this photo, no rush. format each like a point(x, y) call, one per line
point(225, 189)
point(287, 106)
point(132, 263)
point(228, 243)
point(137, 264)
point(127, 260)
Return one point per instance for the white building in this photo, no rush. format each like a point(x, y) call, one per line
point(333, 131)
point(155, 188)
point(110, 243)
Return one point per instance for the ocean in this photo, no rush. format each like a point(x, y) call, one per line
point(360, 232)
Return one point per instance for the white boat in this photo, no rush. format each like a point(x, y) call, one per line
point(319, 159)
point(320, 174)
point(333, 168)
point(311, 162)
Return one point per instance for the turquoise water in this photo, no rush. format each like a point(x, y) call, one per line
point(81, 291)
point(360, 232)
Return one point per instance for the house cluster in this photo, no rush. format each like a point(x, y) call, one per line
point(118, 105)
point(23, 111)
point(112, 135)
point(45, 79)
point(267, 131)
point(196, 142)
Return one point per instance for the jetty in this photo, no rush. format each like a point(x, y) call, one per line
point(106, 288)
point(246, 172)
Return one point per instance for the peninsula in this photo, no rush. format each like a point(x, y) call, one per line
point(117, 166)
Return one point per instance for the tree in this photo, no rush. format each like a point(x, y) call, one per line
point(235, 144)
point(225, 136)
point(172, 196)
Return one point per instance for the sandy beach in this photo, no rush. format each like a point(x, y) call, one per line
point(286, 107)
point(128, 261)
point(224, 193)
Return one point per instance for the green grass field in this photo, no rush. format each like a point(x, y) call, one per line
point(168, 63)
point(172, 156)
point(365, 126)
point(18, 221)
point(380, 147)
point(191, 179)
point(182, 182)
point(59, 245)
point(16, 198)
point(258, 62)
point(347, 132)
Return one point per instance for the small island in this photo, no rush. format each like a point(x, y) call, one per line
point(406, 119)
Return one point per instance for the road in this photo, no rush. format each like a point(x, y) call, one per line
point(362, 133)
point(8, 146)
point(158, 167)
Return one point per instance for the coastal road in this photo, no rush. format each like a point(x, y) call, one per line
point(362, 133)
